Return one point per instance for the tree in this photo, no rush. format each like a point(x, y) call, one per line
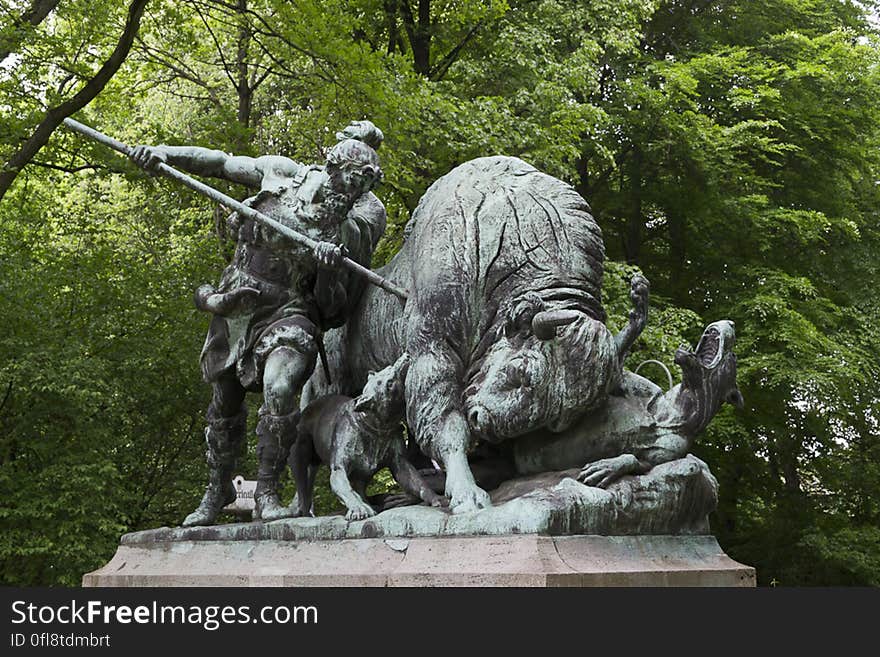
point(762, 115)
point(55, 115)
point(20, 25)
point(728, 149)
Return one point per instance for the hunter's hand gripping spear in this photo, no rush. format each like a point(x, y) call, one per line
point(241, 208)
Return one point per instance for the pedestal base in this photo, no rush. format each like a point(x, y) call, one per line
point(525, 560)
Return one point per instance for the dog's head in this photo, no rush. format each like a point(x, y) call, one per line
point(382, 396)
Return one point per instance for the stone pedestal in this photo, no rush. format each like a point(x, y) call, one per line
point(524, 560)
point(541, 530)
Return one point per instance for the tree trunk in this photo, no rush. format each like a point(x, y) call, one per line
point(419, 34)
point(633, 238)
point(391, 10)
point(677, 251)
point(83, 97)
point(583, 173)
point(422, 56)
point(245, 92)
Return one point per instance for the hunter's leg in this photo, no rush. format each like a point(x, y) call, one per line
point(224, 436)
point(285, 372)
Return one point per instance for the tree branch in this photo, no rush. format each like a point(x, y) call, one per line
point(83, 97)
point(7, 395)
point(176, 66)
point(226, 67)
point(33, 16)
point(442, 67)
point(82, 167)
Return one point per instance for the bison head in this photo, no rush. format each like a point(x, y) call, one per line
point(545, 367)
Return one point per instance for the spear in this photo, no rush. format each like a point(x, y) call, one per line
point(241, 208)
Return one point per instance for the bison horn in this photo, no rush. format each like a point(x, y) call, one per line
point(544, 324)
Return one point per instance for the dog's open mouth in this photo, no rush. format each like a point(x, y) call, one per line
point(711, 347)
point(708, 351)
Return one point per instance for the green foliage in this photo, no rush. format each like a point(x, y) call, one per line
point(101, 417)
point(729, 150)
point(744, 186)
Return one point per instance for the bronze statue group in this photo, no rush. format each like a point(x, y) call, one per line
point(502, 342)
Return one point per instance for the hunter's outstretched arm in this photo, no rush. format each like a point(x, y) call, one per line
point(248, 171)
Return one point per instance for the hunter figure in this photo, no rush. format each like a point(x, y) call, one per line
point(276, 298)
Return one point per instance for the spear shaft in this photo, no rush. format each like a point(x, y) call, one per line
point(241, 208)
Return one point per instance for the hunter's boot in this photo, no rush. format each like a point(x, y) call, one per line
point(275, 435)
point(225, 439)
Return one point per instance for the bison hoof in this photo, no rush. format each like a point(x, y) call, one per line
point(473, 499)
point(360, 512)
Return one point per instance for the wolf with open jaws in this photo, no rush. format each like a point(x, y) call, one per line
point(640, 426)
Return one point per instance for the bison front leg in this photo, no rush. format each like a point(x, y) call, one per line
point(638, 316)
point(434, 414)
point(461, 489)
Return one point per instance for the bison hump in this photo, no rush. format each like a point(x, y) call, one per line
point(499, 227)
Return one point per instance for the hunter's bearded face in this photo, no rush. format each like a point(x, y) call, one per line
point(334, 206)
point(352, 180)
